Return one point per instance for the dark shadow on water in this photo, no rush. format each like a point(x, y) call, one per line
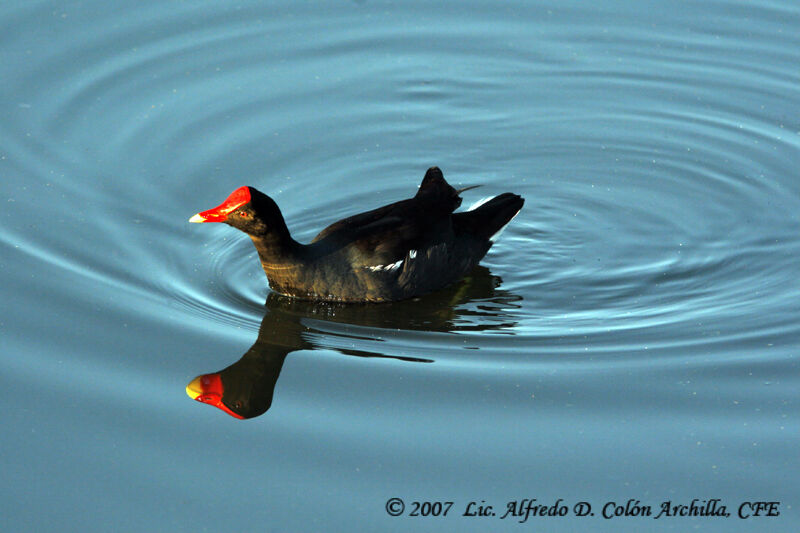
point(245, 388)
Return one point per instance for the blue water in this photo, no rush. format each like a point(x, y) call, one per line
point(635, 332)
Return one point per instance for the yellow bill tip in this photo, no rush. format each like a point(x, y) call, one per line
point(194, 388)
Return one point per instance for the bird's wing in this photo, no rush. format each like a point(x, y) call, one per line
point(386, 234)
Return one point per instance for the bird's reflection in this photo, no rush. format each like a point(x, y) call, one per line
point(245, 389)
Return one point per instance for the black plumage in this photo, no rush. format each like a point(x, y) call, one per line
point(394, 252)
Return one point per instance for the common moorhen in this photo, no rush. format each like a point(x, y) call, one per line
point(397, 251)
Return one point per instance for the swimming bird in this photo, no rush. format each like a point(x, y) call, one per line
point(398, 251)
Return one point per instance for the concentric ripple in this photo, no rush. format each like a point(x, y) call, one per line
point(660, 216)
point(635, 331)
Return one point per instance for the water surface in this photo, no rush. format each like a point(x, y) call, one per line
point(633, 334)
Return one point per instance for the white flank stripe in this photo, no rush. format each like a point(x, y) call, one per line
point(390, 266)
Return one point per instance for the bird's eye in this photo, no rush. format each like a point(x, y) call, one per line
point(243, 214)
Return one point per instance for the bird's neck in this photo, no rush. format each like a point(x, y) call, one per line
point(278, 249)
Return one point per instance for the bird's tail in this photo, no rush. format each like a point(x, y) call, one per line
point(489, 219)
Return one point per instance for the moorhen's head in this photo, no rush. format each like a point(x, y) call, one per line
point(244, 389)
point(209, 389)
point(246, 209)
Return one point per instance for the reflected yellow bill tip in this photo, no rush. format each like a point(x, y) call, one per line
point(194, 388)
point(197, 218)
